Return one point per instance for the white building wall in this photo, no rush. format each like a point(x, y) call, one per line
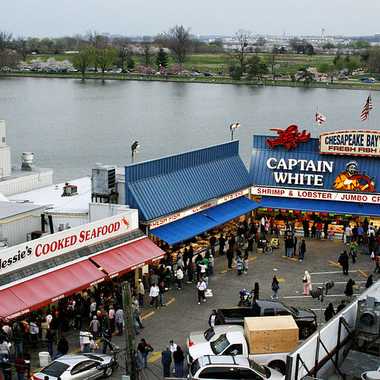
point(15, 230)
point(73, 220)
point(5, 161)
point(32, 181)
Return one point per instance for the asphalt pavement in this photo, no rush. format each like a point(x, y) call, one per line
point(182, 313)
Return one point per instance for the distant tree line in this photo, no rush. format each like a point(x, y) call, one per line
point(100, 52)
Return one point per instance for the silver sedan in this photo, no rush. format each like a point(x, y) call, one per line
point(78, 367)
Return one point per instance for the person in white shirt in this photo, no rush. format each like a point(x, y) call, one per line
point(111, 317)
point(153, 294)
point(201, 286)
point(179, 277)
point(119, 320)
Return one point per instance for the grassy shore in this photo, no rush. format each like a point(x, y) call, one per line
point(349, 85)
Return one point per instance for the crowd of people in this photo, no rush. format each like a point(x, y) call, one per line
point(99, 310)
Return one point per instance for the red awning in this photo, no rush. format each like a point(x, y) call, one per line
point(42, 290)
point(128, 257)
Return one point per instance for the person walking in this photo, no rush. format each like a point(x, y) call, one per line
point(349, 291)
point(239, 265)
point(295, 241)
point(153, 294)
point(275, 287)
point(306, 283)
point(222, 242)
point(95, 326)
point(119, 320)
point(343, 261)
point(230, 257)
point(369, 282)
point(256, 291)
point(377, 263)
point(166, 361)
point(341, 306)
point(329, 312)
point(179, 278)
point(201, 286)
point(302, 250)
point(289, 246)
point(144, 349)
point(178, 357)
point(141, 292)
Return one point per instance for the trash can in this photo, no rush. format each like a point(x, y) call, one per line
point(44, 359)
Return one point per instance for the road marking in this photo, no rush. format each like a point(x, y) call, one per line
point(328, 295)
point(334, 272)
point(154, 356)
point(317, 309)
point(364, 274)
point(148, 315)
point(334, 264)
point(170, 301)
point(338, 282)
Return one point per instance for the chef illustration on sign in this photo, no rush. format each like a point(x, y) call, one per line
point(351, 179)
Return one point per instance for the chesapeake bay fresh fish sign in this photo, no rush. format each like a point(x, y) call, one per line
point(351, 143)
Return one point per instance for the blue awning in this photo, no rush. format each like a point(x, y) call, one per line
point(193, 225)
point(332, 207)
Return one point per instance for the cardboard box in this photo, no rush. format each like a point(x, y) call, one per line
point(271, 334)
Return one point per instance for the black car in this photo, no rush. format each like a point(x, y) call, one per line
point(305, 318)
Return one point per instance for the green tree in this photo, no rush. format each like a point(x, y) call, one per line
point(256, 68)
point(83, 60)
point(147, 52)
point(130, 62)
point(162, 58)
point(374, 60)
point(122, 55)
point(105, 58)
point(236, 71)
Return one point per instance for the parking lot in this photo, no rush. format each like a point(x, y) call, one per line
point(182, 313)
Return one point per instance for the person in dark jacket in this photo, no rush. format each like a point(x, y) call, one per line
point(256, 291)
point(302, 250)
point(62, 347)
point(256, 309)
point(341, 306)
point(230, 257)
point(349, 291)
point(329, 312)
point(222, 243)
point(369, 282)
point(178, 357)
point(343, 261)
point(166, 360)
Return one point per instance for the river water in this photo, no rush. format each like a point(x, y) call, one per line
point(71, 125)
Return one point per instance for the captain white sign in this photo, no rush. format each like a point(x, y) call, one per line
point(352, 143)
point(307, 172)
point(315, 194)
point(34, 251)
point(204, 206)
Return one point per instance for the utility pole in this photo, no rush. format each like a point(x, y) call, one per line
point(130, 362)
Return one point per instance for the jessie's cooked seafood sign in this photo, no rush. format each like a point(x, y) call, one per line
point(351, 143)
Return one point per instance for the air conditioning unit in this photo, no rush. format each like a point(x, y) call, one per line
point(368, 318)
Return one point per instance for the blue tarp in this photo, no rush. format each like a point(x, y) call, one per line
point(193, 225)
point(332, 207)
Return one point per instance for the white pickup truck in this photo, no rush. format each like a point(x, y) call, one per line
point(230, 340)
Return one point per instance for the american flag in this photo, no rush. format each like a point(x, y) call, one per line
point(319, 118)
point(366, 108)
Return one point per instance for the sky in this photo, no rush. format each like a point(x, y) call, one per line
point(203, 17)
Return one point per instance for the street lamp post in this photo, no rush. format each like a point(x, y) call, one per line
point(134, 148)
point(233, 126)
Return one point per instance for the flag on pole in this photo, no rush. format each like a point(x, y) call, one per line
point(366, 108)
point(320, 119)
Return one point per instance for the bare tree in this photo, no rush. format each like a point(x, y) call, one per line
point(243, 38)
point(147, 52)
point(178, 40)
point(5, 40)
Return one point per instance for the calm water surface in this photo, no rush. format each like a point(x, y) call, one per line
point(71, 125)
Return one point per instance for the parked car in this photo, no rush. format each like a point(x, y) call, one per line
point(368, 80)
point(230, 367)
point(306, 319)
point(78, 367)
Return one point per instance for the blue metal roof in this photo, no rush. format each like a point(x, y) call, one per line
point(332, 207)
point(193, 225)
point(260, 174)
point(167, 185)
